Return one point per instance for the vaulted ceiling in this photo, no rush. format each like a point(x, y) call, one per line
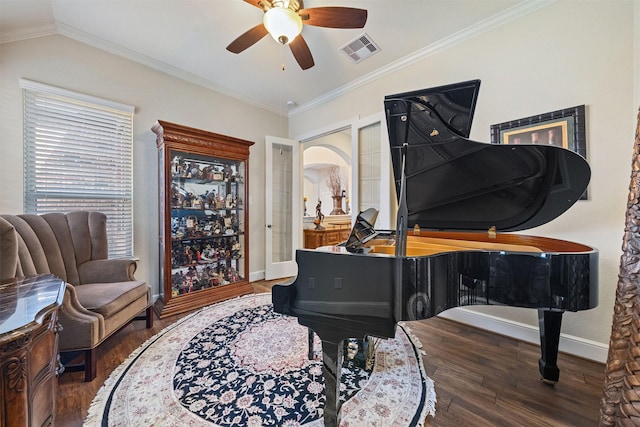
point(187, 39)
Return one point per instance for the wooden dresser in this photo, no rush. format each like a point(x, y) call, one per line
point(329, 236)
point(29, 350)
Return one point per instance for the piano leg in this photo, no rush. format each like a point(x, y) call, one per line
point(549, 323)
point(332, 368)
point(310, 338)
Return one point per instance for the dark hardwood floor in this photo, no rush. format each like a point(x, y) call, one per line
point(481, 379)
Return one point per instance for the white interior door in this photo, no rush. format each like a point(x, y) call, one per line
point(283, 207)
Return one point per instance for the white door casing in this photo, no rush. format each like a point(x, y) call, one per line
point(283, 207)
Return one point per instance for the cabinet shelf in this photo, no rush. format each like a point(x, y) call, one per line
point(183, 179)
point(179, 212)
point(211, 237)
point(203, 186)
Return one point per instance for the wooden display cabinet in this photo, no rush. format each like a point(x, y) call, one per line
point(203, 217)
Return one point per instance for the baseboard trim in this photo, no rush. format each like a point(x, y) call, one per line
point(256, 275)
point(569, 344)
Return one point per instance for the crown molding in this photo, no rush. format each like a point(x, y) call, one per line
point(488, 24)
point(29, 33)
point(495, 21)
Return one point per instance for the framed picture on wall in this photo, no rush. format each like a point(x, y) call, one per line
point(564, 128)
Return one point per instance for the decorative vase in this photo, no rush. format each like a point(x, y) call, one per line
point(337, 206)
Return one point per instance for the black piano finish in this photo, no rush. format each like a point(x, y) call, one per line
point(342, 295)
point(453, 183)
point(354, 289)
point(446, 182)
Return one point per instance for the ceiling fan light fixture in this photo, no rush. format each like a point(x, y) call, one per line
point(283, 24)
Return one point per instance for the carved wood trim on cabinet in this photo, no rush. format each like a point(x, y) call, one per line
point(29, 350)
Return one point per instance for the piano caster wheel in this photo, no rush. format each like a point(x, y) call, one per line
point(550, 383)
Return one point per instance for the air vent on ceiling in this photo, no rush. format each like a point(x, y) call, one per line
point(360, 48)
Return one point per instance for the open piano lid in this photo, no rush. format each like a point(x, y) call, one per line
point(453, 183)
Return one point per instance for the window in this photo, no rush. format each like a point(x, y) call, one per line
point(78, 156)
point(369, 173)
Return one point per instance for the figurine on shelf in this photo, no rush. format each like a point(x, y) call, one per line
point(215, 279)
point(179, 233)
point(188, 199)
point(219, 202)
point(227, 173)
point(229, 201)
point(205, 200)
point(217, 229)
point(188, 255)
point(211, 199)
point(192, 222)
point(207, 253)
point(194, 170)
point(175, 166)
point(319, 216)
point(176, 198)
point(210, 275)
point(207, 173)
point(217, 175)
point(233, 275)
point(235, 250)
point(182, 168)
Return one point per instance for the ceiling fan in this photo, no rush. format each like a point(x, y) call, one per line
point(283, 19)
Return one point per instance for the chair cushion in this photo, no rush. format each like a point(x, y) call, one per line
point(108, 299)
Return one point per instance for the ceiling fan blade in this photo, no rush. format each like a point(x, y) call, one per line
point(248, 39)
point(257, 3)
point(334, 17)
point(301, 52)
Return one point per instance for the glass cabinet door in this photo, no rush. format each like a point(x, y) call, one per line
point(206, 222)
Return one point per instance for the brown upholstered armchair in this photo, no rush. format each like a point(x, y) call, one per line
point(102, 295)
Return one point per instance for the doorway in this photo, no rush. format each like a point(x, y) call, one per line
point(327, 178)
point(359, 149)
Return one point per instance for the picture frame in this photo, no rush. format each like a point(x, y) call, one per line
point(564, 128)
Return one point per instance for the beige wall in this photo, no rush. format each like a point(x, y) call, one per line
point(62, 62)
point(557, 57)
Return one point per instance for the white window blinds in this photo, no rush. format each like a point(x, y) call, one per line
point(78, 156)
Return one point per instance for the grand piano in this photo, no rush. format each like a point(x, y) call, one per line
point(458, 201)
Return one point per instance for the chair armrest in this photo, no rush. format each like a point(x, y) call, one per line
point(81, 328)
point(107, 271)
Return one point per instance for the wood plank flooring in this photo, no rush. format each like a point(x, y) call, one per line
point(481, 379)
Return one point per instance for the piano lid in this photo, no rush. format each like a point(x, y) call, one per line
point(453, 183)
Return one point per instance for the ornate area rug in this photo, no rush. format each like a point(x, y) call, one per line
point(237, 363)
